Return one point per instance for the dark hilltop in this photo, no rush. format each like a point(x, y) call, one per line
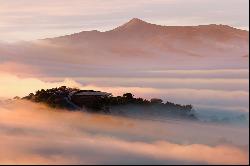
point(101, 102)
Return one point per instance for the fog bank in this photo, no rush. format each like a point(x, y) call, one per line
point(39, 135)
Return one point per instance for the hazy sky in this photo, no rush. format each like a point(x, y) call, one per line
point(29, 19)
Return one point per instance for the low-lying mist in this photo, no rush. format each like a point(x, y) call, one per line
point(35, 134)
point(223, 100)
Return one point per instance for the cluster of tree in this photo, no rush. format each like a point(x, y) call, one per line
point(60, 98)
point(128, 98)
point(150, 107)
point(55, 97)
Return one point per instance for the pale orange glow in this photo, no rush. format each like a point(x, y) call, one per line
point(13, 86)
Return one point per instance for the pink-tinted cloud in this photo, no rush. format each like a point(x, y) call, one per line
point(39, 135)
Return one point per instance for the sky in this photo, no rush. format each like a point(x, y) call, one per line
point(30, 20)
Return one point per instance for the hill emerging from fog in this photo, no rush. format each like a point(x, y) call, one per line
point(137, 45)
point(101, 102)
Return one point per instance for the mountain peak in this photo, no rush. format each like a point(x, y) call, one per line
point(134, 23)
point(136, 20)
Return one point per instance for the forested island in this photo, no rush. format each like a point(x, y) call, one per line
point(74, 99)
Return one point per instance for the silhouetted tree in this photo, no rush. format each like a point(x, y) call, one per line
point(128, 96)
point(156, 101)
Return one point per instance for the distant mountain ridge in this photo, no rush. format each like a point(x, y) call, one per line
point(139, 26)
point(138, 44)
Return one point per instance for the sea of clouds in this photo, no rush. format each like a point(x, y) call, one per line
point(34, 134)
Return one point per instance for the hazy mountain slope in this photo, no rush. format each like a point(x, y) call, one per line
point(140, 38)
point(138, 44)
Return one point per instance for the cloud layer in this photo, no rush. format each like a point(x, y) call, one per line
point(52, 137)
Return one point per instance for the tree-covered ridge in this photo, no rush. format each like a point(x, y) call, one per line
point(62, 98)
